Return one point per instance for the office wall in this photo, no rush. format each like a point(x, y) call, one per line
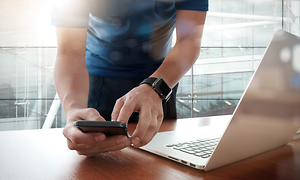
point(235, 37)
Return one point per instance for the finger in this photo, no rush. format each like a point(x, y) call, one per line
point(91, 114)
point(113, 141)
point(110, 144)
point(77, 137)
point(92, 152)
point(117, 108)
point(126, 110)
point(145, 119)
point(106, 144)
point(152, 130)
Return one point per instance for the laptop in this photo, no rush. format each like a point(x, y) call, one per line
point(266, 117)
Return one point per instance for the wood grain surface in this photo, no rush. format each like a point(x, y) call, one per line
point(43, 155)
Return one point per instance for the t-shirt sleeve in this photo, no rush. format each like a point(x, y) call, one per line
point(70, 13)
point(197, 5)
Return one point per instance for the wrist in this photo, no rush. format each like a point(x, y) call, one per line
point(72, 112)
point(72, 103)
point(159, 86)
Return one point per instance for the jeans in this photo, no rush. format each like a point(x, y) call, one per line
point(104, 91)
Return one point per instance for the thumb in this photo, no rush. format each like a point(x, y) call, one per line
point(91, 114)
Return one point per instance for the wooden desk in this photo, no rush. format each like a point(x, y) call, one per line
point(43, 154)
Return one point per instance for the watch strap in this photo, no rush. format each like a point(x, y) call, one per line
point(149, 81)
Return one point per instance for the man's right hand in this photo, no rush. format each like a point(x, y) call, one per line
point(90, 144)
point(72, 85)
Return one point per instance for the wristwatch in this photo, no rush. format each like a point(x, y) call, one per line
point(160, 87)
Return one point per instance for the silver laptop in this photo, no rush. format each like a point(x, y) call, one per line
point(267, 116)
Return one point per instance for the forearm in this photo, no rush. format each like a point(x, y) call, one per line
point(71, 81)
point(189, 30)
point(178, 61)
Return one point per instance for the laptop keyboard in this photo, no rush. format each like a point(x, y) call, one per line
point(201, 148)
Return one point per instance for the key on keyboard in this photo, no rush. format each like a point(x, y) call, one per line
point(201, 148)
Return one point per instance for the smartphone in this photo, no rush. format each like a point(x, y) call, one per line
point(109, 128)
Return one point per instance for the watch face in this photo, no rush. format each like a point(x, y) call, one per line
point(162, 88)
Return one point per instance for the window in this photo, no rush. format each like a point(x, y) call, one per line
point(235, 37)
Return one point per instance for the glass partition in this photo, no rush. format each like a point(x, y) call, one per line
point(235, 37)
point(26, 87)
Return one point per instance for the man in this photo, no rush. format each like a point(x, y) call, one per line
point(106, 48)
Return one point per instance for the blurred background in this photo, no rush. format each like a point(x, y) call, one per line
point(235, 37)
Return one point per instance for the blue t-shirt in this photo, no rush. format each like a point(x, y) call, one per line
point(126, 38)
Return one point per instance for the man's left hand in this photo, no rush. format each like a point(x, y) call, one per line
point(144, 100)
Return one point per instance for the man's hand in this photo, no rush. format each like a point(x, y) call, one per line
point(90, 144)
point(145, 100)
